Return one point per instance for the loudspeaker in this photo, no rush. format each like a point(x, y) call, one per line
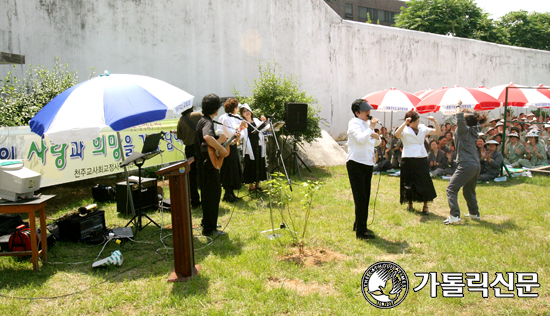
point(296, 117)
point(148, 194)
point(103, 193)
point(76, 227)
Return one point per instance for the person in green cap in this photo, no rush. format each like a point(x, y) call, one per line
point(535, 153)
point(514, 151)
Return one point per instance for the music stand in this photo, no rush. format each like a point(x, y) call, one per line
point(150, 150)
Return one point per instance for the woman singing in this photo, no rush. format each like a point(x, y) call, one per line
point(254, 150)
point(416, 184)
point(230, 173)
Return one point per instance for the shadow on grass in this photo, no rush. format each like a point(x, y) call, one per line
point(498, 228)
point(392, 247)
point(198, 285)
point(150, 256)
point(432, 218)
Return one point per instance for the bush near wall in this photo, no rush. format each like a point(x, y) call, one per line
point(272, 90)
point(22, 98)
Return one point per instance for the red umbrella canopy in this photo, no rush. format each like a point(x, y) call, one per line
point(423, 94)
point(446, 100)
point(392, 100)
point(542, 89)
point(483, 88)
point(519, 97)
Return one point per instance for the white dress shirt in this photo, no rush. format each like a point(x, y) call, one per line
point(229, 125)
point(360, 144)
point(413, 144)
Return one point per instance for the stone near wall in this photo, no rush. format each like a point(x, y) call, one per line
point(322, 152)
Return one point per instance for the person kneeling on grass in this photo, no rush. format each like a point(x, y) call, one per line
point(491, 161)
point(534, 152)
point(513, 151)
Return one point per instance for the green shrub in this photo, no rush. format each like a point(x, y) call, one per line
point(21, 99)
point(272, 90)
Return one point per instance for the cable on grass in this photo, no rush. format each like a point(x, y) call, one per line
point(375, 197)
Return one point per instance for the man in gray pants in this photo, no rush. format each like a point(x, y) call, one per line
point(468, 165)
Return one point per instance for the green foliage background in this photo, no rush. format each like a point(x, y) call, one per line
point(463, 18)
point(272, 90)
point(22, 98)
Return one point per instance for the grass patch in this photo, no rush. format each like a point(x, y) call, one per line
point(246, 273)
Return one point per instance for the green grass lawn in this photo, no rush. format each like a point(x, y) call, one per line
point(246, 273)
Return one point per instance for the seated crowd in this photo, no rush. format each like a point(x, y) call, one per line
point(527, 146)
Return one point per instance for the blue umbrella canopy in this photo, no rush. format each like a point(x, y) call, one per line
point(118, 101)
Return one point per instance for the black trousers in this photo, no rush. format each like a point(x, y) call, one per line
point(211, 192)
point(193, 176)
point(360, 177)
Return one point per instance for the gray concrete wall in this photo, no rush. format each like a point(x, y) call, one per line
point(213, 46)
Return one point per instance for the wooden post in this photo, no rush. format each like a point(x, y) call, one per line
point(182, 231)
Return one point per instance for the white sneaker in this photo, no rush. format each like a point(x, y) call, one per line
point(115, 259)
point(473, 216)
point(451, 220)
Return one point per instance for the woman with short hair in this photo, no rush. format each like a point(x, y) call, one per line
point(230, 173)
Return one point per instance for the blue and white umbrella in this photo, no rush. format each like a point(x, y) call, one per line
point(118, 101)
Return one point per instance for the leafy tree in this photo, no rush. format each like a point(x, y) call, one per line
point(272, 90)
point(460, 18)
point(541, 113)
point(524, 29)
point(21, 99)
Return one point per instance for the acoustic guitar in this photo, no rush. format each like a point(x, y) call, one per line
point(215, 158)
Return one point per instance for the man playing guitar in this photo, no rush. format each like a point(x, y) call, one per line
point(205, 137)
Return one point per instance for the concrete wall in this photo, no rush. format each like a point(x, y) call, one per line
point(213, 46)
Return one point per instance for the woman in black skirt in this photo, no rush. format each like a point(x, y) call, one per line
point(416, 184)
point(231, 173)
point(254, 150)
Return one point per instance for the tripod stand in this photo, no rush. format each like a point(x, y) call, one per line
point(281, 161)
point(297, 159)
point(279, 154)
point(139, 159)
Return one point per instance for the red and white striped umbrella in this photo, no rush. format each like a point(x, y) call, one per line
point(544, 90)
point(483, 89)
point(519, 97)
point(423, 94)
point(392, 100)
point(446, 100)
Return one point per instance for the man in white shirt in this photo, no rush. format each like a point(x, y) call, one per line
point(360, 161)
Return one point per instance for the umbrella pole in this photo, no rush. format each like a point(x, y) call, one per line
point(128, 188)
point(392, 120)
